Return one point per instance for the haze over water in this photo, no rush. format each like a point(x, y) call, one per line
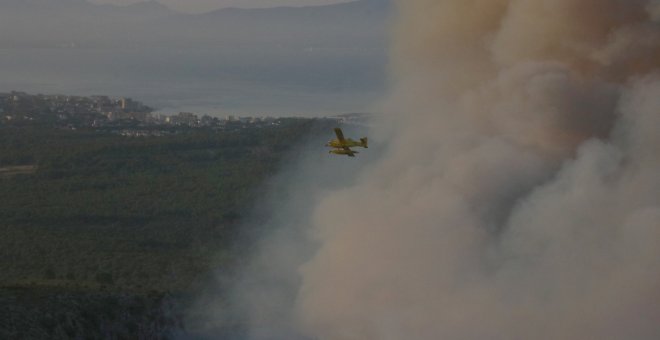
point(306, 61)
point(212, 81)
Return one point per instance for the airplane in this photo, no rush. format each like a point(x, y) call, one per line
point(342, 146)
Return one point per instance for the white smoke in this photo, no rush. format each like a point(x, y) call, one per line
point(519, 197)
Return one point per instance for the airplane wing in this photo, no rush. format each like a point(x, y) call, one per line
point(340, 135)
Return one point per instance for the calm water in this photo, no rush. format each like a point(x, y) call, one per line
point(217, 81)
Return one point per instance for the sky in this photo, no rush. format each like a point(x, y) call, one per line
point(198, 6)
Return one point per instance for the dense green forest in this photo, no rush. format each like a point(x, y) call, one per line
point(100, 217)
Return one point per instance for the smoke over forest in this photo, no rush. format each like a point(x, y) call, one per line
point(517, 195)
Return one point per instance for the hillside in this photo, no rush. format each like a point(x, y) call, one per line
point(83, 24)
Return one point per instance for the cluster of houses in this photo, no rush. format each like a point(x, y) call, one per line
point(19, 107)
point(192, 120)
point(124, 116)
point(101, 112)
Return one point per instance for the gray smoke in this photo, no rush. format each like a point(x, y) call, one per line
point(519, 193)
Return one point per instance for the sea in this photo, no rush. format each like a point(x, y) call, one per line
point(241, 81)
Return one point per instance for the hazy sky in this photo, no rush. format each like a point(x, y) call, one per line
point(208, 5)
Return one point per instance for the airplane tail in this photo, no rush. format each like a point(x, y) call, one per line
point(365, 142)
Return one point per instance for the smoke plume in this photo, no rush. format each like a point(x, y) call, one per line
point(518, 196)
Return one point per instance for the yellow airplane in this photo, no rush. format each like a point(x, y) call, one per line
point(342, 146)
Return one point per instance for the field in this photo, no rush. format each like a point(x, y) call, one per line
point(10, 171)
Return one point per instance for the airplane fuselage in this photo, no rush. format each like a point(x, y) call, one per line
point(342, 146)
point(335, 143)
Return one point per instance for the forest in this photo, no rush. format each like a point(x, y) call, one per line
point(106, 233)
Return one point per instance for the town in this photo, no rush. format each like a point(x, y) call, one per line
point(122, 116)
